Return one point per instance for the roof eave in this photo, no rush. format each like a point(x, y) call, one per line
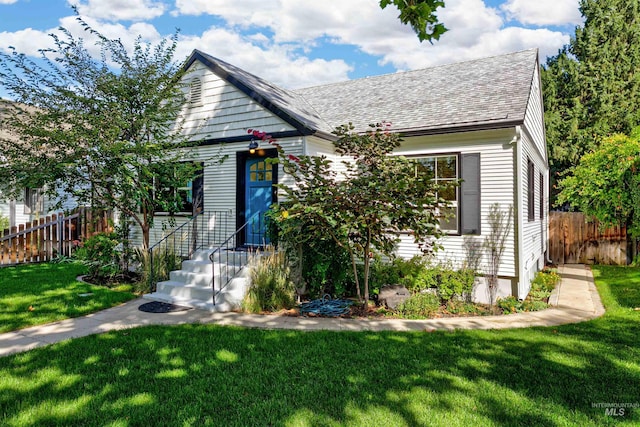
point(464, 127)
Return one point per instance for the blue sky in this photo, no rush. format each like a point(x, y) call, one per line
point(299, 43)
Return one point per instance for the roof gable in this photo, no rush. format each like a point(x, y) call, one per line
point(285, 104)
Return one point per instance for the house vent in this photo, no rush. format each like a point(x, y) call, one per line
point(195, 94)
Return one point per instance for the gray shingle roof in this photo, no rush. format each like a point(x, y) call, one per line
point(484, 92)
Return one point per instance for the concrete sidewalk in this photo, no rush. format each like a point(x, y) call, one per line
point(574, 300)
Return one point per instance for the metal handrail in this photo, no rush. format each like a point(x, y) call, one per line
point(197, 234)
point(242, 256)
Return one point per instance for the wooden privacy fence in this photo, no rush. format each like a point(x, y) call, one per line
point(46, 238)
point(573, 239)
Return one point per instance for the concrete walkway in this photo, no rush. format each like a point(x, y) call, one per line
point(574, 300)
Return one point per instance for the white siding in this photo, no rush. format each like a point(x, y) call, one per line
point(534, 117)
point(497, 186)
point(534, 234)
point(226, 111)
point(315, 146)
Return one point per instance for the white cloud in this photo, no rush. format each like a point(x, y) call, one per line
point(543, 12)
point(119, 10)
point(26, 41)
point(475, 30)
point(276, 63)
point(29, 41)
point(467, 19)
point(127, 35)
point(295, 21)
point(8, 1)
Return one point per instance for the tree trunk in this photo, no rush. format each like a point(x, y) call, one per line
point(367, 264)
point(145, 236)
point(632, 243)
point(355, 274)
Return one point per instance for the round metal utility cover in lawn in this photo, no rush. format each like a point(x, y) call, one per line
point(161, 307)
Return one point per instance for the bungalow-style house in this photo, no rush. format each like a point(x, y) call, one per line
point(480, 121)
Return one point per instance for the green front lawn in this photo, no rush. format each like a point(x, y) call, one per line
point(42, 293)
point(210, 375)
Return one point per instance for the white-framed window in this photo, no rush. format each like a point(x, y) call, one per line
point(444, 169)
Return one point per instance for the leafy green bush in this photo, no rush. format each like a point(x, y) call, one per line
point(541, 287)
point(383, 273)
point(509, 305)
point(454, 283)
point(413, 273)
point(538, 292)
point(321, 266)
point(271, 288)
point(101, 256)
point(546, 279)
point(4, 222)
point(416, 275)
point(534, 305)
point(326, 269)
point(420, 305)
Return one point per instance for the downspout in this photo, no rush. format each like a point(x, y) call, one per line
point(549, 261)
point(519, 234)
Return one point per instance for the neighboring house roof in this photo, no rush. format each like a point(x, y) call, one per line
point(484, 93)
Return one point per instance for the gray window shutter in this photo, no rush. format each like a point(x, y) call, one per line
point(470, 190)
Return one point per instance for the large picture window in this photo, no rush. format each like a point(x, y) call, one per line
point(443, 169)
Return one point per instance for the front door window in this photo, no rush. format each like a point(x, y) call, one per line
point(259, 176)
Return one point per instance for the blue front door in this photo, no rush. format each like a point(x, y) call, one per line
point(259, 176)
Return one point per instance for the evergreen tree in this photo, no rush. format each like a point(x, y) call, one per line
point(592, 87)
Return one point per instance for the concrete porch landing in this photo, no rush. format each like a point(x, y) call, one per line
point(574, 300)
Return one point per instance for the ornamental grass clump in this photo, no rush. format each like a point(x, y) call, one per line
point(271, 288)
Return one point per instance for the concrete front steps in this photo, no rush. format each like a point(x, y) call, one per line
point(191, 286)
